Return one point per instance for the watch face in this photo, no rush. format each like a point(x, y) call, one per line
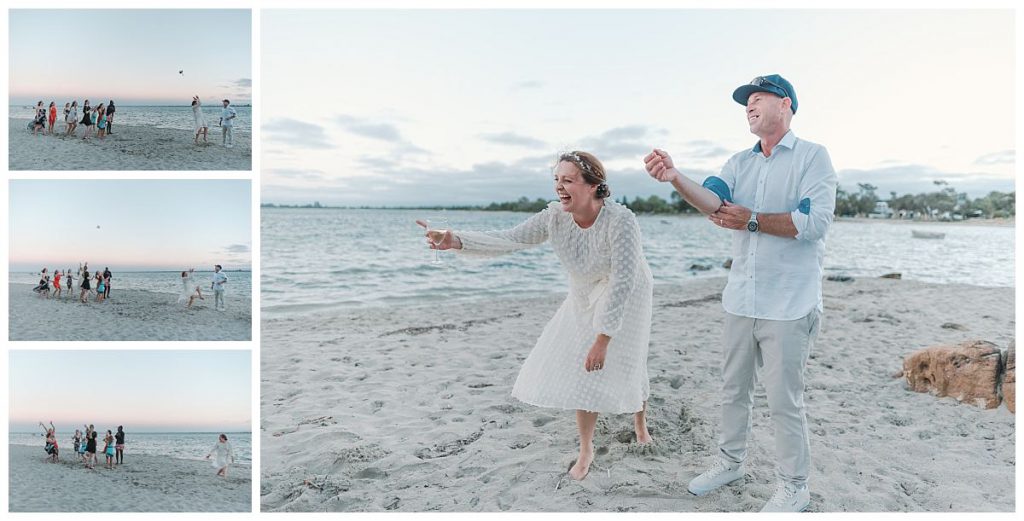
point(752, 226)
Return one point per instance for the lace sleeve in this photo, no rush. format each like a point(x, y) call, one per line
point(627, 257)
point(532, 232)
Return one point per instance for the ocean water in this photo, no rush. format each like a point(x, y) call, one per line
point(180, 445)
point(337, 258)
point(169, 282)
point(178, 118)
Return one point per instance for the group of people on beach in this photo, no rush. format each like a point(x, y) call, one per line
point(100, 116)
point(65, 281)
point(777, 199)
point(84, 445)
point(99, 285)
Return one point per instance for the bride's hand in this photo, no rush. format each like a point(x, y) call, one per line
point(448, 241)
point(595, 358)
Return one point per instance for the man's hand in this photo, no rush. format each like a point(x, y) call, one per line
point(731, 216)
point(659, 165)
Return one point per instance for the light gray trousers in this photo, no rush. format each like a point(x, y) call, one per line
point(774, 352)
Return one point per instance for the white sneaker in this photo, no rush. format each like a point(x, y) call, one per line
point(720, 473)
point(788, 498)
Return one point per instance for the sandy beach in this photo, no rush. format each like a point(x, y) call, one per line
point(409, 409)
point(130, 148)
point(143, 484)
point(127, 315)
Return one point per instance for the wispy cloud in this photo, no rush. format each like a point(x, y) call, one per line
point(529, 84)
point(1002, 157)
point(296, 133)
point(703, 149)
point(297, 173)
point(626, 142)
point(243, 82)
point(511, 138)
point(361, 127)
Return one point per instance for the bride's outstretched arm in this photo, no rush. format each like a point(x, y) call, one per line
point(532, 232)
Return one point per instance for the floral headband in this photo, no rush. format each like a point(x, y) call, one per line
point(578, 161)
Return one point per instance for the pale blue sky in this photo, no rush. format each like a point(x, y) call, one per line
point(146, 391)
point(130, 55)
point(143, 224)
point(442, 106)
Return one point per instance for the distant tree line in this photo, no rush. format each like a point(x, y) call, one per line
point(944, 203)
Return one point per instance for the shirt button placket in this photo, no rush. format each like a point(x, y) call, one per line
point(752, 253)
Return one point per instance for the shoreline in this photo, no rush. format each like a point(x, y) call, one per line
point(129, 314)
point(283, 311)
point(143, 484)
point(410, 410)
point(999, 222)
point(131, 147)
point(39, 446)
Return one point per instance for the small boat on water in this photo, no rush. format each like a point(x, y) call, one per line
point(918, 234)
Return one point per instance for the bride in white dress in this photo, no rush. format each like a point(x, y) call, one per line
point(592, 355)
point(200, 120)
point(189, 289)
point(222, 455)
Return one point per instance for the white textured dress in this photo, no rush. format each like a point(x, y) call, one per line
point(197, 114)
point(610, 292)
point(188, 287)
point(222, 455)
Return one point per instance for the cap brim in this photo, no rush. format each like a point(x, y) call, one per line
point(742, 94)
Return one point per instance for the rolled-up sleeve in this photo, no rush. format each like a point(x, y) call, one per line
point(724, 183)
point(813, 214)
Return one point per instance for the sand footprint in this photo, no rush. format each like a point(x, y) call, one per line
point(542, 421)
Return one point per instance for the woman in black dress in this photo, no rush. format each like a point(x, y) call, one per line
point(87, 118)
point(85, 286)
point(90, 450)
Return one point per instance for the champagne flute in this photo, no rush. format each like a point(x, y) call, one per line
point(437, 229)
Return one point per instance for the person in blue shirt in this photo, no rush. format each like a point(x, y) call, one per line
point(778, 198)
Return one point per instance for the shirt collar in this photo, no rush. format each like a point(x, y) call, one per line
point(788, 140)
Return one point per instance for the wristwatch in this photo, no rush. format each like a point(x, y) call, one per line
point(752, 223)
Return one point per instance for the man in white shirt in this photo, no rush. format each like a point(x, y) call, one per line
point(779, 198)
point(217, 285)
point(227, 115)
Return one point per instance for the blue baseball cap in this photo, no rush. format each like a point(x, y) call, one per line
point(772, 83)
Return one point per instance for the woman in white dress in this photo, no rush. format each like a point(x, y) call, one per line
point(222, 456)
point(592, 355)
point(189, 289)
point(201, 126)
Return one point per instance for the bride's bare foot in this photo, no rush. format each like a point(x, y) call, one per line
point(643, 437)
point(582, 466)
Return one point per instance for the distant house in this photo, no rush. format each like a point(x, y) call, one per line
point(881, 211)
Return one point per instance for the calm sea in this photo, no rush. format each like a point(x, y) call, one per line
point(239, 282)
point(178, 118)
point(335, 258)
point(180, 445)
